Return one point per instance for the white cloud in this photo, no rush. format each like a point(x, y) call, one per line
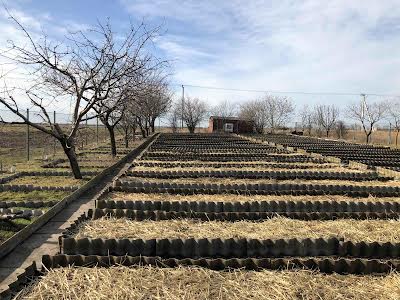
point(17, 76)
point(338, 46)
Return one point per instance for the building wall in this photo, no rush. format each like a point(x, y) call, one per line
point(239, 126)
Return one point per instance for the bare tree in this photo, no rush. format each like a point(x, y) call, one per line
point(128, 122)
point(194, 111)
point(86, 67)
point(307, 119)
point(394, 114)
point(341, 130)
point(110, 113)
point(326, 116)
point(160, 99)
point(152, 100)
point(173, 118)
point(278, 110)
point(225, 109)
point(254, 111)
point(368, 114)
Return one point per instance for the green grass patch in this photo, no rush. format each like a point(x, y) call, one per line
point(33, 196)
point(9, 228)
point(45, 208)
point(54, 181)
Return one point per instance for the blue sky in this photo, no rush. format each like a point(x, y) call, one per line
point(336, 46)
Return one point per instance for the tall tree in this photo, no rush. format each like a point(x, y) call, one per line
point(225, 109)
point(194, 111)
point(128, 122)
point(84, 68)
point(307, 119)
point(326, 116)
point(394, 114)
point(278, 110)
point(368, 114)
point(255, 112)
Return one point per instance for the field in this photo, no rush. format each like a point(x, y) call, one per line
point(183, 221)
point(46, 179)
point(13, 147)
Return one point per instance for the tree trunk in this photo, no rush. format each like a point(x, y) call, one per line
point(126, 135)
point(397, 137)
point(191, 129)
point(73, 160)
point(112, 140)
point(143, 131)
point(133, 133)
point(153, 121)
point(327, 133)
point(368, 137)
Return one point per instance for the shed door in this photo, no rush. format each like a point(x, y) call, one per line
point(228, 127)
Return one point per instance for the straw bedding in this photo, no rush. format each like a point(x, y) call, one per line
point(266, 163)
point(212, 180)
point(238, 198)
point(315, 168)
point(274, 228)
point(193, 283)
point(54, 181)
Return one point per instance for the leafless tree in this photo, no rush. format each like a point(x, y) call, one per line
point(128, 122)
point(254, 111)
point(341, 130)
point(368, 114)
point(307, 119)
point(110, 112)
point(394, 114)
point(173, 118)
point(160, 99)
point(194, 111)
point(225, 109)
point(326, 116)
point(278, 110)
point(85, 67)
point(152, 100)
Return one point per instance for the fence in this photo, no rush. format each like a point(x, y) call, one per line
point(20, 142)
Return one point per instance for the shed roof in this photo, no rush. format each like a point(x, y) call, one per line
point(228, 118)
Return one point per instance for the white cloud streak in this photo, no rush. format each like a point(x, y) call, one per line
point(338, 46)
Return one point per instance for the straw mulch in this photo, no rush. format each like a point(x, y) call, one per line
point(192, 283)
point(238, 198)
point(212, 180)
point(274, 228)
point(314, 168)
point(249, 163)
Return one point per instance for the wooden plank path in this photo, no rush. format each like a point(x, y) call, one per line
point(45, 240)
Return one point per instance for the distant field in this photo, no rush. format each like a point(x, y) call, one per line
point(379, 137)
point(13, 144)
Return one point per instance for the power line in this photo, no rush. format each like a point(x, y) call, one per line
point(284, 92)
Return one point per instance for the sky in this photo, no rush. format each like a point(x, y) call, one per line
point(283, 46)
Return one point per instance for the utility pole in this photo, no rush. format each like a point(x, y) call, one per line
point(55, 141)
point(28, 136)
point(363, 105)
point(97, 130)
point(183, 104)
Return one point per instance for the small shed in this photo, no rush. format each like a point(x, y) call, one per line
point(230, 124)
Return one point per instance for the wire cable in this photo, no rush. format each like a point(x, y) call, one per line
point(284, 92)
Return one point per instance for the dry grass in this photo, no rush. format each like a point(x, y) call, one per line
point(216, 151)
point(193, 283)
point(248, 168)
point(274, 228)
point(249, 163)
point(212, 180)
point(49, 181)
point(238, 198)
